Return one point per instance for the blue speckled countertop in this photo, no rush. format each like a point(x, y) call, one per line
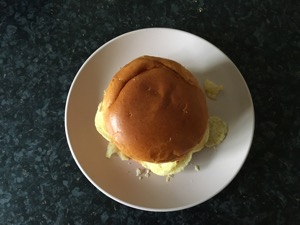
point(44, 43)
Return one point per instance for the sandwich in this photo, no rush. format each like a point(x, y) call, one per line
point(154, 112)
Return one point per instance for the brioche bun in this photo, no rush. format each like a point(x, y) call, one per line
point(153, 110)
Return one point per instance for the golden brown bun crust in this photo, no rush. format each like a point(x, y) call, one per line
point(154, 110)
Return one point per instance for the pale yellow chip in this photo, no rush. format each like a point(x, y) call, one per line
point(217, 131)
point(212, 89)
point(164, 169)
point(112, 149)
point(99, 123)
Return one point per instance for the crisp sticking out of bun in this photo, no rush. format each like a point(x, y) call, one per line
point(153, 111)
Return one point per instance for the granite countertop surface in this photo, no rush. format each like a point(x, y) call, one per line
point(44, 43)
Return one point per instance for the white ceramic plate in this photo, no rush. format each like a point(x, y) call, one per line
point(116, 178)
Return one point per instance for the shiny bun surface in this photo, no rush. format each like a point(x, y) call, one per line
point(154, 110)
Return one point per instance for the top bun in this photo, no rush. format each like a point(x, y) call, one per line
point(154, 110)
